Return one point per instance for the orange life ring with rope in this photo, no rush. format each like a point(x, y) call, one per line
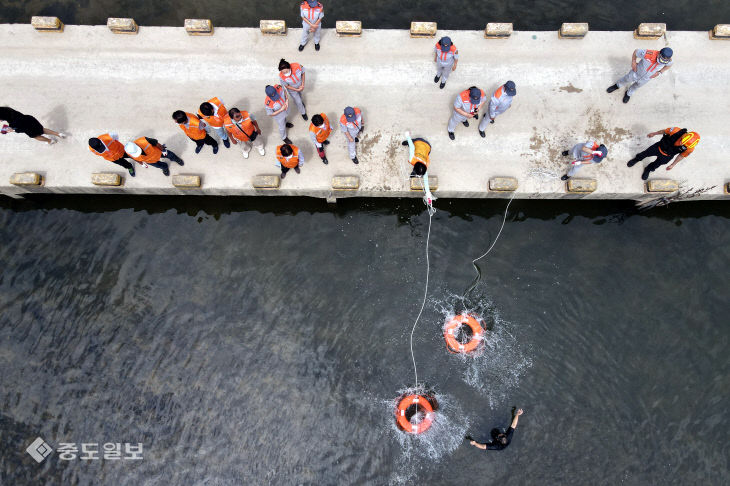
point(463, 334)
point(414, 414)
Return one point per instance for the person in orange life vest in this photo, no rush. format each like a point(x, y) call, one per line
point(289, 157)
point(584, 154)
point(245, 129)
point(212, 112)
point(466, 105)
point(194, 128)
point(446, 58)
point(312, 13)
point(319, 132)
point(500, 102)
point(148, 151)
point(645, 65)
point(352, 126)
point(419, 151)
point(277, 107)
point(675, 141)
point(110, 148)
point(292, 76)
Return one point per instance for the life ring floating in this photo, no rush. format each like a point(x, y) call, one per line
point(414, 414)
point(463, 334)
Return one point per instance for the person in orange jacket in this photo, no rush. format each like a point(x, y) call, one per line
point(148, 152)
point(243, 128)
point(289, 157)
point(319, 132)
point(675, 141)
point(194, 128)
point(110, 148)
point(213, 112)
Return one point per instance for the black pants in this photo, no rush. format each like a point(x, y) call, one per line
point(652, 151)
point(123, 162)
point(208, 140)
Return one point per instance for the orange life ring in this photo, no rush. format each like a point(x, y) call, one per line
point(408, 407)
point(452, 331)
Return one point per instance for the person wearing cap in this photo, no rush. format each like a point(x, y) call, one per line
point(213, 112)
point(277, 107)
point(148, 151)
point(584, 154)
point(446, 58)
point(312, 13)
point(289, 157)
point(466, 105)
point(419, 151)
point(110, 148)
point(292, 76)
point(244, 128)
point(351, 125)
point(499, 103)
point(194, 128)
point(645, 65)
point(319, 132)
point(675, 141)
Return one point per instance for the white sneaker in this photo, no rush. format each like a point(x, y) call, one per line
point(62, 135)
point(262, 151)
point(53, 140)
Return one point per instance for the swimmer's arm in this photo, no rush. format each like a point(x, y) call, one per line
point(478, 445)
point(516, 417)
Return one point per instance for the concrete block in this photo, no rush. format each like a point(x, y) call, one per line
point(272, 27)
point(661, 185)
point(47, 24)
point(122, 26)
point(106, 179)
point(727, 188)
point(346, 183)
point(199, 26)
point(186, 181)
point(423, 29)
point(650, 31)
point(576, 30)
point(417, 183)
point(498, 30)
point(503, 184)
point(582, 185)
point(721, 31)
point(266, 181)
point(26, 179)
point(348, 28)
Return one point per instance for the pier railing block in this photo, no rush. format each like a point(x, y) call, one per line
point(26, 179)
point(345, 183)
point(582, 185)
point(348, 28)
point(106, 179)
point(575, 30)
point(122, 26)
point(650, 31)
point(727, 188)
point(47, 24)
point(721, 31)
point(199, 26)
point(272, 27)
point(417, 183)
point(498, 30)
point(423, 29)
point(661, 185)
point(186, 181)
point(503, 184)
point(266, 181)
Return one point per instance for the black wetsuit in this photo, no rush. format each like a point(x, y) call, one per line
point(496, 445)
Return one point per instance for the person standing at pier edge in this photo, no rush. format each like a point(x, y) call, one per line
point(19, 123)
point(446, 58)
point(292, 76)
point(419, 151)
point(245, 129)
point(466, 105)
point(148, 151)
point(645, 65)
point(110, 148)
point(351, 125)
point(213, 112)
point(500, 440)
point(499, 103)
point(277, 106)
point(194, 128)
point(584, 154)
point(312, 13)
point(675, 141)
point(319, 132)
point(288, 157)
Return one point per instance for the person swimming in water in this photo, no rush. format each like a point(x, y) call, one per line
point(500, 439)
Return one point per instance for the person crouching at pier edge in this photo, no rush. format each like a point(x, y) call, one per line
point(148, 152)
point(213, 111)
point(584, 154)
point(194, 128)
point(352, 126)
point(675, 141)
point(289, 158)
point(319, 132)
point(312, 13)
point(499, 103)
point(243, 128)
point(110, 148)
point(466, 105)
point(419, 151)
point(19, 123)
point(446, 58)
point(645, 66)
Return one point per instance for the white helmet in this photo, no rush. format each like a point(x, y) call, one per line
point(133, 149)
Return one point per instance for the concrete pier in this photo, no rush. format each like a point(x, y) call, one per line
point(87, 81)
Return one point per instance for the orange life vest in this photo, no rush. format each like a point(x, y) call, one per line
point(689, 141)
point(444, 55)
point(150, 155)
point(292, 78)
point(219, 111)
point(348, 124)
point(193, 129)
point(242, 130)
point(421, 152)
point(114, 148)
point(322, 133)
point(466, 99)
point(652, 57)
point(311, 12)
point(291, 161)
point(270, 103)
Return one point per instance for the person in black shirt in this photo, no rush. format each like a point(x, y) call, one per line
point(20, 123)
point(500, 440)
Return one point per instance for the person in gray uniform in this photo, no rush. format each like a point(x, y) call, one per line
point(499, 103)
point(312, 13)
point(466, 105)
point(277, 106)
point(293, 77)
point(446, 58)
point(587, 153)
point(351, 125)
point(645, 65)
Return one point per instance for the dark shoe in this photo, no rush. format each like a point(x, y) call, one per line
point(289, 125)
point(215, 149)
point(564, 178)
point(226, 143)
point(325, 161)
point(357, 140)
point(451, 135)
point(626, 98)
point(631, 162)
point(198, 149)
point(283, 174)
point(316, 47)
point(564, 153)
point(180, 162)
point(465, 123)
point(297, 170)
point(287, 141)
point(441, 86)
point(355, 161)
point(436, 79)
point(612, 88)
point(326, 142)
point(645, 175)
point(404, 143)
point(301, 48)
point(132, 172)
point(166, 172)
point(482, 134)
point(305, 117)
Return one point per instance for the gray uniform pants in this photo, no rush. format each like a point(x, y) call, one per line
point(351, 146)
point(297, 97)
point(577, 153)
point(634, 81)
point(280, 120)
point(443, 70)
point(455, 118)
point(305, 34)
point(485, 120)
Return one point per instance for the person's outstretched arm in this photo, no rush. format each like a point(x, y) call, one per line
point(516, 418)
